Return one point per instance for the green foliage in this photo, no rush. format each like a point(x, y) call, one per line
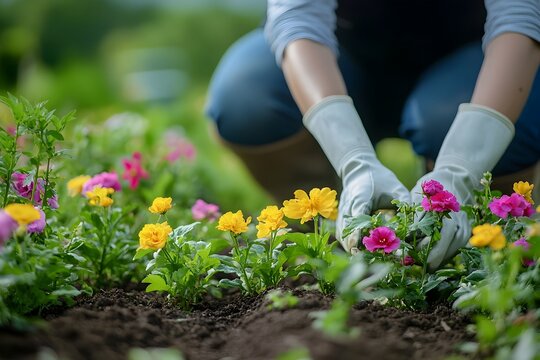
point(281, 299)
point(184, 268)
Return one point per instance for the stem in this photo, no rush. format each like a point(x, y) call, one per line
point(425, 263)
point(241, 263)
point(168, 256)
point(12, 164)
point(105, 246)
point(35, 184)
point(316, 231)
point(47, 171)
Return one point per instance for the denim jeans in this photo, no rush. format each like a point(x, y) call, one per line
point(251, 104)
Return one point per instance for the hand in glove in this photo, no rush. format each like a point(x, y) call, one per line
point(474, 144)
point(367, 184)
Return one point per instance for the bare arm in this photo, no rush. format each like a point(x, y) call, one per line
point(311, 72)
point(505, 80)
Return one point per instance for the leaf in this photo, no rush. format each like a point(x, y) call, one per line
point(183, 230)
point(157, 283)
point(67, 291)
point(55, 134)
point(356, 223)
point(96, 220)
point(486, 329)
point(142, 253)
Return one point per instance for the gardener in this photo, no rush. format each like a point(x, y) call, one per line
point(382, 58)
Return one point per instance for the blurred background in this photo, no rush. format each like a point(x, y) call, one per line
point(151, 59)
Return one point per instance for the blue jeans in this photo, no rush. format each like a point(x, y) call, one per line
point(251, 104)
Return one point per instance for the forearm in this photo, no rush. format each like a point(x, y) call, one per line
point(311, 72)
point(510, 64)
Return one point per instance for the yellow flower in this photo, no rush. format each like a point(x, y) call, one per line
point(161, 205)
point(271, 219)
point(488, 235)
point(76, 184)
point(154, 236)
point(23, 214)
point(99, 196)
point(525, 189)
point(233, 222)
point(320, 201)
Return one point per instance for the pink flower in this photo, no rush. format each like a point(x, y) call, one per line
point(381, 238)
point(515, 205)
point(105, 180)
point(179, 147)
point(525, 245)
point(23, 184)
point(441, 202)
point(133, 170)
point(432, 187)
point(7, 227)
point(38, 225)
point(407, 260)
point(203, 210)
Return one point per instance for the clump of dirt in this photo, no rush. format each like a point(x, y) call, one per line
point(109, 324)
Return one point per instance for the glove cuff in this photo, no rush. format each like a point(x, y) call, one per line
point(337, 127)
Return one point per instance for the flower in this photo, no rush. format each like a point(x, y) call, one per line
point(154, 236)
point(203, 210)
point(75, 185)
point(320, 201)
point(381, 238)
point(181, 148)
point(7, 226)
point(23, 186)
point(488, 235)
point(524, 189)
point(133, 170)
point(233, 222)
point(99, 196)
point(23, 214)
point(440, 202)
point(271, 219)
point(515, 205)
point(105, 180)
point(39, 225)
point(522, 242)
point(407, 260)
point(431, 187)
point(161, 205)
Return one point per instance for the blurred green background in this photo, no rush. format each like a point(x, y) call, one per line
point(150, 57)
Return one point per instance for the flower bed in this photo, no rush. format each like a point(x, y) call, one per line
point(213, 277)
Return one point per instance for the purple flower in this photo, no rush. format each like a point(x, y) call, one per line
point(7, 226)
point(525, 245)
point(203, 210)
point(441, 202)
point(407, 260)
point(105, 180)
point(515, 205)
point(38, 225)
point(381, 238)
point(431, 187)
point(23, 184)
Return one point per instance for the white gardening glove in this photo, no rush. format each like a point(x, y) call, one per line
point(367, 184)
point(474, 144)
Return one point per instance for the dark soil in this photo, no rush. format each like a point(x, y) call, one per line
point(110, 323)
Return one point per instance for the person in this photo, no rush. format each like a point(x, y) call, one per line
point(318, 64)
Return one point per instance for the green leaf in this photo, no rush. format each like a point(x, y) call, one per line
point(96, 220)
point(55, 134)
point(486, 330)
point(357, 223)
point(183, 230)
point(67, 291)
point(142, 253)
point(157, 283)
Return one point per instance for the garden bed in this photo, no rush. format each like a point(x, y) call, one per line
point(109, 324)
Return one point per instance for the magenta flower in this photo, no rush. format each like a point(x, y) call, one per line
point(39, 225)
point(133, 170)
point(432, 187)
point(381, 238)
point(7, 227)
point(407, 260)
point(22, 184)
point(525, 245)
point(515, 205)
point(203, 210)
point(182, 149)
point(440, 202)
point(105, 180)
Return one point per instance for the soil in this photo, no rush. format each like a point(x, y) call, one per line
point(109, 324)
